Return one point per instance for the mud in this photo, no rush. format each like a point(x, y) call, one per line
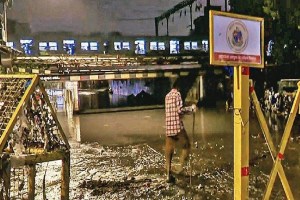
point(121, 156)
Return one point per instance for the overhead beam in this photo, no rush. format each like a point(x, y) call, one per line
point(169, 12)
point(177, 7)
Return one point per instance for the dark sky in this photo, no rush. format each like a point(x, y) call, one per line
point(130, 17)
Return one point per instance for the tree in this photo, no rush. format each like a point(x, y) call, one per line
point(282, 25)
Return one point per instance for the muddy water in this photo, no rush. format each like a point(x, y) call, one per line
point(212, 159)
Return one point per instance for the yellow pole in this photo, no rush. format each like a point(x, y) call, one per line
point(13, 118)
point(241, 133)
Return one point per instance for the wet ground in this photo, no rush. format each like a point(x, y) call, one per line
point(120, 155)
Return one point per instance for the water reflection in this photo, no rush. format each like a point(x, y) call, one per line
point(131, 86)
point(56, 98)
point(71, 126)
point(122, 93)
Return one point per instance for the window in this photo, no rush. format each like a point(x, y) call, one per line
point(126, 46)
point(117, 46)
point(70, 42)
point(52, 46)
point(121, 46)
point(43, 46)
point(161, 46)
point(187, 45)
point(69, 46)
point(174, 47)
point(94, 46)
point(10, 44)
point(191, 45)
point(140, 47)
point(157, 46)
point(153, 46)
point(89, 46)
point(205, 45)
point(85, 46)
point(26, 45)
point(195, 46)
point(26, 41)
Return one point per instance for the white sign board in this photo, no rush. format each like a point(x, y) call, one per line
point(236, 40)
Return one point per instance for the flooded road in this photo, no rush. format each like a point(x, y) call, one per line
point(144, 131)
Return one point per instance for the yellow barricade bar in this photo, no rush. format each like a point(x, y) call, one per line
point(277, 167)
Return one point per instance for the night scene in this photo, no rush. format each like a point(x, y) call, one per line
point(160, 99)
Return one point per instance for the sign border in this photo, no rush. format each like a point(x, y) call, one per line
point(212, 61)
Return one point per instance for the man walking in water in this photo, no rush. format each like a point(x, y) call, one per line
point(175, 131)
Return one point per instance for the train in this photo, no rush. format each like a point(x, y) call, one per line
point(68, 44)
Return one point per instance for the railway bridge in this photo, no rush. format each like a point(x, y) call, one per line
point(74, 74)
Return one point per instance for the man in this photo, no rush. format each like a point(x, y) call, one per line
point(175, 131)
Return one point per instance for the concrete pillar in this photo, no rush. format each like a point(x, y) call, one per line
point(195, 91)
point(73, 86)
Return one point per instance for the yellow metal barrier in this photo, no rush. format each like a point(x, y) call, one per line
point(277, 167)
point(283, 144)
point(30, 133)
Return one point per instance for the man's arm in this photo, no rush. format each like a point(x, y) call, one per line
point(184, 109)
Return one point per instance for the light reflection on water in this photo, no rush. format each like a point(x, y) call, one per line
point(122, 93)
point(131, 86)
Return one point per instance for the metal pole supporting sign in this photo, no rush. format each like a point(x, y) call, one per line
point(238, 40)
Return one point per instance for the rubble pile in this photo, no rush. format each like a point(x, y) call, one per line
point(137, 172)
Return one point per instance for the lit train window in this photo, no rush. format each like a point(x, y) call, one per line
point(43, 46)
point(161, 46)
point(195, 46)
point(117, 46)
point(52, 46)
point(140, 47)
point(157, 46)
point(126, 46)
point(205, 45)
point(26, 41)
point(85, 46)
point(48, 46)
point(187, 45)
point(153, 46)
point(68, 41)
point(69, 46)
point(89, 46)
point(94, 46)
point(26, 45)
point(10, 44)
point(174, 47)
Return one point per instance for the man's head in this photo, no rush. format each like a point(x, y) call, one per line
point(177, 84)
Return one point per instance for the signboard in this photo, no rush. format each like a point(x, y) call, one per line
point(236, 39)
